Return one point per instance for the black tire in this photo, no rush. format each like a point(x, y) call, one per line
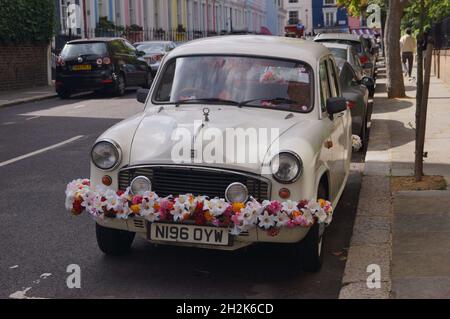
point(114, 242)
point(64, 94)
point(149, 80)
point(120, 85)
point(310, 250)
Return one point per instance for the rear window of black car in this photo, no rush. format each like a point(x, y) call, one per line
point(84, 49)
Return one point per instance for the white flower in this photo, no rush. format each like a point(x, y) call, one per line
point(179, 211)
point(152, 216)
point(356, 143)
point(289, 207)
point(313, 207)
point(113, 202)
point(217, 207)
point(321, 216)
point(266, 221)
point(308, 216)
point(282, 219)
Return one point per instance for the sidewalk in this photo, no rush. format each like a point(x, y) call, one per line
point(9, 98)
point(406, 234)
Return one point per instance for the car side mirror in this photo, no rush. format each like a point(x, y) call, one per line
point(367, 81)
point(368, 65)
point(336, 105)
point(140, 53)
point(142, 95)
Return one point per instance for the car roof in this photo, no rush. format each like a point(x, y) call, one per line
point(338, 36)
point(95, 40)
point(152, 42)
point(254, 45)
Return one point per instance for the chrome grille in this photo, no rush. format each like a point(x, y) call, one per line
point(193, 180)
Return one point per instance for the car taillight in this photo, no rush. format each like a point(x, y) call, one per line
point(60, 62)
point(99, 61)
point(158, 57)
point(364, 59)
point(106, 61)
point(351, 104)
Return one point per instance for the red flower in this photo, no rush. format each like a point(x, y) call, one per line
point(120, 193)
point(273, 232)
point(302, 204)
point(77, 209)
point(137, 200)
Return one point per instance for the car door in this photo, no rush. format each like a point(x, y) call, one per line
point(331, 129)
point(139, 65)
point(339, 140)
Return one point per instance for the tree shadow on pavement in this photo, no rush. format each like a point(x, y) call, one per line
point(385, 105)
point(399, 134)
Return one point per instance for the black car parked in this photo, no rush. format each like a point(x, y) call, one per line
point(110, 64)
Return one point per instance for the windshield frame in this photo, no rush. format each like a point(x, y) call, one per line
point(170, 60)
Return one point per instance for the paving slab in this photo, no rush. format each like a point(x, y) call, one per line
point(422, 288)
point(371, 230)
point(360, 290)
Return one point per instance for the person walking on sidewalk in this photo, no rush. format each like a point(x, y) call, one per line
point(408, 47)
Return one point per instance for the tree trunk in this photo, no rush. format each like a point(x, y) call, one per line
point(394, 72)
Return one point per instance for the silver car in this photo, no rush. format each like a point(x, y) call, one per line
point(356, 92)
point(154, 52)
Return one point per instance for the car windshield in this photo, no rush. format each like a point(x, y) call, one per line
point(355, 44)
point(151, 47)
point(244, 81)
point(83, 49)
point(339, 53)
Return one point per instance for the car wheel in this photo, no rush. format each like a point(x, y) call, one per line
point(64, 94)
point(120, 85)
point(310, 250)
point(149, 80)
point(114, 242)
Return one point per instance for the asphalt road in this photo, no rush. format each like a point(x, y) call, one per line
point(39, 239)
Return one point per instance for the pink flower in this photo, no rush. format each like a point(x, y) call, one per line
point(137, 200)
point(302, 204)
point(274, 207)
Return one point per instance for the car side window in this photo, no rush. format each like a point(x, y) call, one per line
point(334, 79)
point(325, 92)
point(118, 47)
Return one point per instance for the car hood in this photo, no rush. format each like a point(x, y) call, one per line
point(162, 131)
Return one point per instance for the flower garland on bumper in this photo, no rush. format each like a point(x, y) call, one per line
point(202, 211)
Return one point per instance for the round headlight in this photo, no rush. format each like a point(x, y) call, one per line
point(140, 185)
point(236, 193)
point(286, 167)
point(105, 155)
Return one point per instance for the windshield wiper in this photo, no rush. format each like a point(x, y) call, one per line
point(277, 100)
point(206, 100)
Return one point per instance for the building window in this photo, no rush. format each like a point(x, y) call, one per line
point(329, 2)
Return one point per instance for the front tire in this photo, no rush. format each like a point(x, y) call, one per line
point(114, 242)
point(309, 252)
point(149, 80)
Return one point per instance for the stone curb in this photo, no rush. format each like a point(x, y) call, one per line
point(28, 100)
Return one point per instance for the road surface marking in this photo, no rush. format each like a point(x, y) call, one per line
point(32, 118)
point(14, 267)
point(22, 294)
point(80, 106)
point(43, 150)
point(8, 123)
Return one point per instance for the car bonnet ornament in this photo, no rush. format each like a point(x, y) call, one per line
point(206, 112)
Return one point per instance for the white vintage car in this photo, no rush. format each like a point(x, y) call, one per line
point(283, 91)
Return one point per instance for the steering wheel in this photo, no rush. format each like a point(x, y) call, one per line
point(193, 92)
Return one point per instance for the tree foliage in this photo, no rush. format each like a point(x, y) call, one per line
point(435, 11)
point(356, 8)
point(26, 21)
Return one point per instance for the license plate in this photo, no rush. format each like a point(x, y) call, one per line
point(82, 67)
point(189, 234)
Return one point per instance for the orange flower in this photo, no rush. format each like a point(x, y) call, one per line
point(322, 203)
point(135, 209)
point(156, 206)
point(237, 207)
point(296, 214)
point(208, 216)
